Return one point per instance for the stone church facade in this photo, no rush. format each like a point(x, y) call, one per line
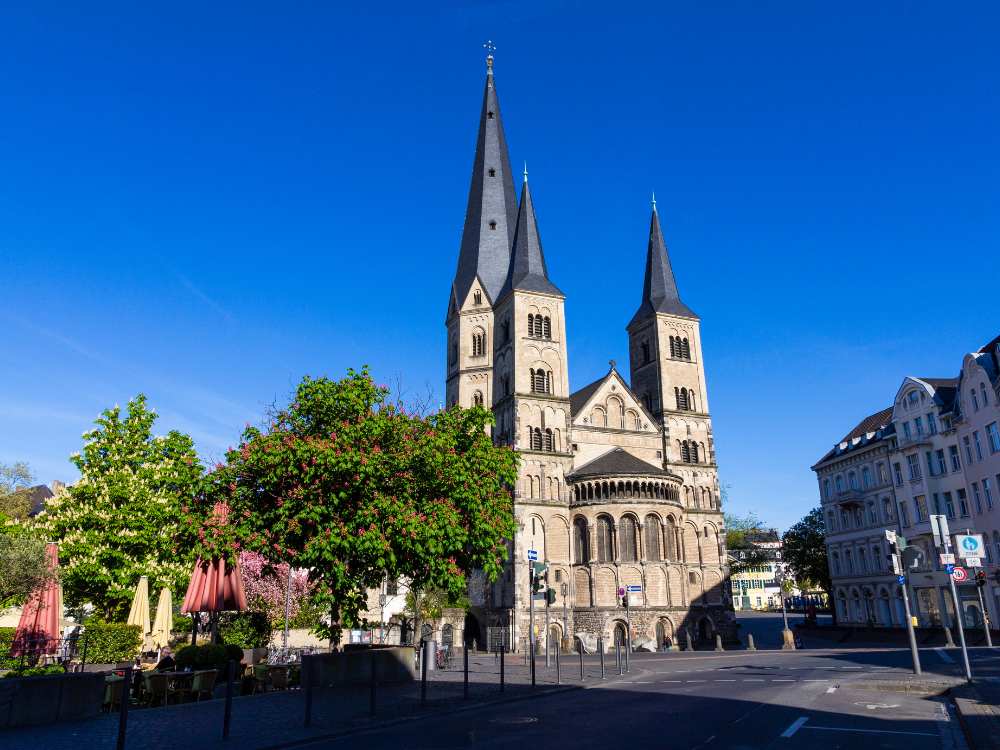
point(618, 483)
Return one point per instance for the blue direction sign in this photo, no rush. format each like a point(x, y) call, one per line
point(901, 580)
point(949, 569)
point(532, 555)
point(634, 588)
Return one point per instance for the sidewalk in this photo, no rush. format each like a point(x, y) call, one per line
point(978, 707)
point(277, 719)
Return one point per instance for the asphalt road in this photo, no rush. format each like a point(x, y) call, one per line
point(815, 700)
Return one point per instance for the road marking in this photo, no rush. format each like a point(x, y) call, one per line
point(832, 689)
point(822, 679)
point(776, 680)
point(795, 726)
point(753, 679)
point(671, 680)
point(723, 680)
point(945, 657)
point(870, 731)
point(695, 680)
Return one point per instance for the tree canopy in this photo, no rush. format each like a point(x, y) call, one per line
point(740, 536)
point(353, 488)
point(804, 550)
point(15, 481)
point(120, 520)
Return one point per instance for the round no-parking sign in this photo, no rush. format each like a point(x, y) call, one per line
point(959, 574)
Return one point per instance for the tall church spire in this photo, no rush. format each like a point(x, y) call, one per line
point(492, 208)
point(659, 288)
point(527, 261)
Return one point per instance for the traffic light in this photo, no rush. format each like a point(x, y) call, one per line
point(981, 578)
point(539, 577)
point(550, 596)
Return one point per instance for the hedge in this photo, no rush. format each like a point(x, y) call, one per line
point(245, 629)
point(110, 643)
point(6, 643)
point(208, 656)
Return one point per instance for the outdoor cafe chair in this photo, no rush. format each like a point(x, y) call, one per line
point(278, 677)
point(157, 687)
point(203, 683)
point(114, 688)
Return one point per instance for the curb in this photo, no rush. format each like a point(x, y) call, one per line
point(555, 690)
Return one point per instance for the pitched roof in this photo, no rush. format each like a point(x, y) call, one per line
point(944, 391)
point(527, 261)
point(485, 252)
point(871, 428)
point(617, 462)
point(659, 288)
point(579, 399)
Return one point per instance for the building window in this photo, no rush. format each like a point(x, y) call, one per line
point(942, 467)
point(913, 466)
point(872, 514)
point(907, 433)
point(680, 348)
point(988, 494)
point(994, 433)
point(580, 544)
point(975, 399)
point(982, 390)
point(493, 172)
point(930, 463)
point(852, 480)
point(931, 423)
point(685, 399)
point(920, 504)
point(477, 297)
point(605, 552)
point(963, 503)
point(477, 398)
point(887, 508)
point(541, 380)
point(898, 472)
point(549, 443)
point(882, 476)
point(627, 539)
point(479, 343)
point(978, 500)
point(949, 506)
point(918, 423)
point(493, 226)
point(904, 515)
point(956, 461)
point(826, 488)
point(966, 443)
point(839, 482)
point(866, 477)
point(835, 558)
point(689, 451)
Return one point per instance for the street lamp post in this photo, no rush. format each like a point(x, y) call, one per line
point(563, 590)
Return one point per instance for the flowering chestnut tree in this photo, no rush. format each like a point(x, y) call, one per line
point(120, 520)
point(266, 586)
point(354, 488)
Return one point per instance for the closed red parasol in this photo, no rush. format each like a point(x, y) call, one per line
point(38, 629)
point(215, 587)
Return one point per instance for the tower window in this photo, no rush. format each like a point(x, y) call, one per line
point(489, 115)
point(493, 225)
point(493, 172)
point(477, 398)
point(477, 297)
point(645, 352)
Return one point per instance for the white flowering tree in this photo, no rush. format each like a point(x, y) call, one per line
point(121, 520)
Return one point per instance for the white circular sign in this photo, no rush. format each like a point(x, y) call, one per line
point(959, 574)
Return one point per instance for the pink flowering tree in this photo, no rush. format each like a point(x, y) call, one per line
point(266, 583)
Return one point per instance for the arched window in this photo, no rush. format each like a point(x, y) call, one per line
point(477, 398)
point(644, 348)
point(685, 454)
point(547, 333)
point(598, 417)
point(673, 347)
point(685, 349)
point(536, 438)
point(581, 548)
point(627, 539)
point(691, 405)
point(693, 451)
point(670, 539)
point(531, 324)
point(681, 395)
point(605, 551)
point(479, 343)
point(651, 538)
point(477, 297)
point(548, 440)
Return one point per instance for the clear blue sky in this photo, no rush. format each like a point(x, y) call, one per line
point(204, 202)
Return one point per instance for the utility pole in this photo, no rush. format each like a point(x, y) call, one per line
point(939, 527)
point(896, 544)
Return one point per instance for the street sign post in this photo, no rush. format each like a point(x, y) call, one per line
point(942, 541)
point(532, 555)
point(897, 545)
point(969, 545)
point(901, 580)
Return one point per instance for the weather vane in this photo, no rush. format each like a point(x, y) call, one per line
point(490, 49)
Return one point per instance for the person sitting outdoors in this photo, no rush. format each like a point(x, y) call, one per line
point(166, 662)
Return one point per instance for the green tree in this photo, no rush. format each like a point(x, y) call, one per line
point(804, 550)
point(354, 489)
point(15, 480)
point(740, 533)
point(24, 566)
point(120, 520)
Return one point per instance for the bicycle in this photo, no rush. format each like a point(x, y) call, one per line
point(443, 658)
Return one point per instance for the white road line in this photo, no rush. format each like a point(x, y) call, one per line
point(832, 689)
point(695, 680)
point(945, 657)
point(753, 679)
point(723, 680)
point(776, 680)
point(870, 731)
point(795, 726)
point(671, 680)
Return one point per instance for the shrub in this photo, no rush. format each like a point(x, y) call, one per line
point(207, 656)
point(245, 629)
point(185, 656)
point(109, 643)
point(36, 671)
point(6, 642)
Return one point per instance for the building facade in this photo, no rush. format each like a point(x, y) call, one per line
point(755, 584)
point(618, 482)
point(936, 450)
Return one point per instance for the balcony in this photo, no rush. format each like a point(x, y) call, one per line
point(903, 442)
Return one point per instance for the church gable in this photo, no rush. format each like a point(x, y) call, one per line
point(610, 403)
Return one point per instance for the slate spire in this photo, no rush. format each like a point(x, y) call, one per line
point(492, 207)
point(659, 288)
point(527, 261)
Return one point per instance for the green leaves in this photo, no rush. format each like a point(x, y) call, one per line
point(804, 549)
point(354, 489)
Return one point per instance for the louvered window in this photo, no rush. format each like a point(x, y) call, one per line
point(548, 440)
point(605, 552)
point(627, 539)
point(580, 546)
point(536, 438)
point(547, 327)
point(685, 349)
point(651, 538)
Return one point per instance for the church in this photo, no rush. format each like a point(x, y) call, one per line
point(618, 486)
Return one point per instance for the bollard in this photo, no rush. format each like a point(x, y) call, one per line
point(621, 663)
point(503, 658)
point(600, 648)
point(372, 688)
point(558, 678)
point(465, 673)
point(83, 660)
point(718, 643)
point(123, 707)
point(751, 646)
point(423, 678)
point(307, 682)
point(531, 648)
point(628, 649)
point(582, 675)
point(949, 641)
point(227, 715)
point(690, 645)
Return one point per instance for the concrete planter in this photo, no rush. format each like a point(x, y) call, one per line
point(392, 665)
point(28, 701)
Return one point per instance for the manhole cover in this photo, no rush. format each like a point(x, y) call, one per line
point(515, 720)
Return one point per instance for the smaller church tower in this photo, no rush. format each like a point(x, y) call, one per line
point(668, 373)
point(483, 260)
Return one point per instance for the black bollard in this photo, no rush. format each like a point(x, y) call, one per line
point(600, 648)
point(558, 678)
point(372, 687)
point(465, 671)
point(621, 663)
point(307, 682)
point(582, 676)
point(628, 650)
point(123, 707)
point(423, 677)
point(227, 714)
point(503, 659)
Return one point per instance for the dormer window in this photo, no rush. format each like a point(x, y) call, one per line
point(493, 225)
point(493, 172)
